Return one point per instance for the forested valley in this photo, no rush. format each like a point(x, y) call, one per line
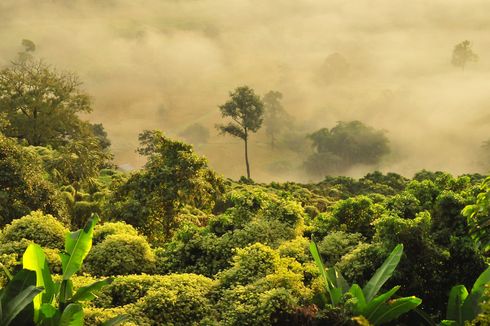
point(255, 163)
point(175, 243)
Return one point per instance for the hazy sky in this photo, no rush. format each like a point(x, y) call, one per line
point(168, 64)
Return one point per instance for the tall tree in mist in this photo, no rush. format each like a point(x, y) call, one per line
point(275, 117)
point(463, 54)
point(246, 109)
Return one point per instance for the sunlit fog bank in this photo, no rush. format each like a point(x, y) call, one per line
point(169, 64)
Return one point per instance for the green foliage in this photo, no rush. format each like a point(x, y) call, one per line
point(343, 146)
point(478, 216)
point(357, 214)
point(178, 299)
point(104, 230)
point(250, 215)
point(57, 304)
point(121, 254)
point(40, 228)
point(377, 309)
point(22, 185)
point(42, 104)
point(261, 287)
point(337, 244)
point(173, 178)
point(462, 306)
point(16, 299)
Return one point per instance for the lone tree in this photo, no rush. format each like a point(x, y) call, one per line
point(246, 110)
point(276, 118)
point(462, 54)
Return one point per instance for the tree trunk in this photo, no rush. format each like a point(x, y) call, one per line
point(246, 154)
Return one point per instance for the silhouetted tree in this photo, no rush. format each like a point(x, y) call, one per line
point(246, 110)
point(275, 117)
point(462, 54)
point(345, 145)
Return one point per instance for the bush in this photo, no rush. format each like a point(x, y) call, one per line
point(40, 228)
point(360, 264)
point(297, 248)
point(102, 231)
point(250, 264)
point(121, 255)
point(178, 299)
point(337, 244)
point(357, 214)
point(97, 316)
point(405, 205)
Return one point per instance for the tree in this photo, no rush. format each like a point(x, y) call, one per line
point(196, 134)
point(345, 145)
point(246, 110)
point(276, 118)
point(173, 177)
point(42, 104)
point(462, 54)
point(22, 184)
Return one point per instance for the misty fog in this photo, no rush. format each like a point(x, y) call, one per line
point(168, 64)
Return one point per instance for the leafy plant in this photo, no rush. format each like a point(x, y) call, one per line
point(478, 217)
point(463, 306)
point(377, 309)
point(16, 298)
point(53, 303)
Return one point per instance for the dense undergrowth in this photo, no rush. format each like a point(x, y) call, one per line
point(189, 247)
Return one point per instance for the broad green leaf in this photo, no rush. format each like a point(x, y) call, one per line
point(35, 260)
point(337, 280)
point(377, 303)
point(457, 296)
point(49, 315)
point(471, 306)
point(116, 320)
point(383, 273)
point(17, 304)
point(86, 293)
point(72, 315)
point(20, 281)
point(77, 247)
point(334, 282)
point(394, 309)
point(66, 291)
point(357, 293)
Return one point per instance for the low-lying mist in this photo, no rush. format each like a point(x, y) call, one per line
point(168, 64)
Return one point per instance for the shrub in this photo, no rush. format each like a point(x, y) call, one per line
point(296, 248)
point(178, 299)
point(97, 316)
point(405, 205)
point(121, 255)
point(360, 264)
point(250, 264)
point(357, 214)
point(102, 231)
point(40, 228)
point(337, 244)
point(323, 224)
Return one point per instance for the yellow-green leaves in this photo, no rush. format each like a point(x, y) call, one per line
point(35, 260)
point(77, 247)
